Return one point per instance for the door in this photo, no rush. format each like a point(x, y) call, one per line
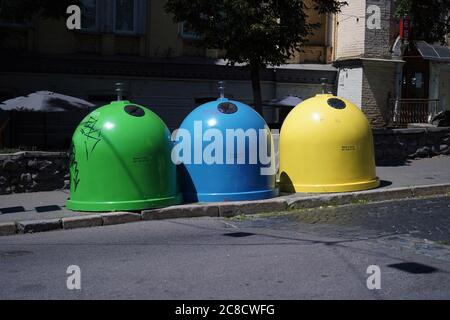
point(444, 89)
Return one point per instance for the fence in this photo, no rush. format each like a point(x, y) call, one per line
point(404, 111)
point(39, 130)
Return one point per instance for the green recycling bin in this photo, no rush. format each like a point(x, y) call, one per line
point(120, 159)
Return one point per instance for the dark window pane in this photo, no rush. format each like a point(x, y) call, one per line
point(187, 32)
point(12, 12)
point(125, 15)
point(89, 14)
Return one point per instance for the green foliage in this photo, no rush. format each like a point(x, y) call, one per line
point(255, 32)
point(431, 18)
point(251, 31)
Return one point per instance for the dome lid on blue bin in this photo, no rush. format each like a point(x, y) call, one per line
point(232, 173)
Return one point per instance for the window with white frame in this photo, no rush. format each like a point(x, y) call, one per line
point(125, 16)
point(186, 32)
point(89, 15)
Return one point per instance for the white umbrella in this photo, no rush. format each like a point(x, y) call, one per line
point(45, 101)
point(286, 101)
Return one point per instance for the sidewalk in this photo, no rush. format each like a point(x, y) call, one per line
point(424, 172)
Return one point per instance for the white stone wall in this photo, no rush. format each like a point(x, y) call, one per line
point(351, 30)
point(350, 84)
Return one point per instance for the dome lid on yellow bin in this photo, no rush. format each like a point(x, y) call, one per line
point(326, 145)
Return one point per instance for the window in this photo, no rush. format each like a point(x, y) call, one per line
point(125, 13)
point(186, 32)
point(125, 17)
point(89, 15)
point(10, 14)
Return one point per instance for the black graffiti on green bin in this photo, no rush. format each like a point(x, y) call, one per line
point(92, 134)
point(74, 170)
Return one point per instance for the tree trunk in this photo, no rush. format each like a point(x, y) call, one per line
point(256, 85)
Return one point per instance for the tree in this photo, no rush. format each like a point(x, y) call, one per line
point(430, 19)
point(257, 33)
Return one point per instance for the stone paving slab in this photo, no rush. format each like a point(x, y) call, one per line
point(34, 206)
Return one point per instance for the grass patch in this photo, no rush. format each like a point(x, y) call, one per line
point(7, 151)
point(241, 217)
point(360, 201)
point(444, 242)
point(245, 217)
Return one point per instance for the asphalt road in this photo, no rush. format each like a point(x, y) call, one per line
point(264, 257)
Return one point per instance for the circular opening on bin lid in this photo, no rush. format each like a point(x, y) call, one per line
point(227, 107)
point(336, 103)
point(134, 110)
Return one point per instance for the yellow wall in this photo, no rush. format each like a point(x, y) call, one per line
point(164, 34)
point(319, 36)
point(53, 37)
point(162, 39)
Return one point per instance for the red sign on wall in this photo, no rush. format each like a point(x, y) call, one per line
point(405, 28)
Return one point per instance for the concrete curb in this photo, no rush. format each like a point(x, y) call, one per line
point(230, 209)
point(82, 222)
point(69, 223)
point(8, 229)
point(225, 209)
point(302, 202)
point(33, 226)
point(113, 218)
point(182, 211)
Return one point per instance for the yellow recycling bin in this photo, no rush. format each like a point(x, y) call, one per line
point(326, 145)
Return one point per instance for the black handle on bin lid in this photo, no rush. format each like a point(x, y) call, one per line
point(134, 110)
point(336, 103)
point(227, 107)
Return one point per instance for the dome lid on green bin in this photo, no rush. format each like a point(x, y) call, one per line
point(121, 160)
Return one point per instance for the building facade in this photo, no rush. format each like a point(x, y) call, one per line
point(368, 73)
point(356, 52)
point(393, 83)
point(137, 43)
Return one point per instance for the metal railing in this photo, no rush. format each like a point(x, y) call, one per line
point(405, 111)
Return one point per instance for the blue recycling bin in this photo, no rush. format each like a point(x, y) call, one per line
point(225, 152)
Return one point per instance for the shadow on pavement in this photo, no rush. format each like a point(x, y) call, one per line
point(384, 183)
point(12, 210)
point(413, 267)
point(48, 208)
